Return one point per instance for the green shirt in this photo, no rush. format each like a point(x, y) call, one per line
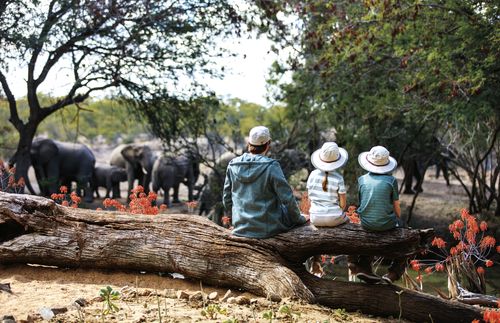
point(376, 196)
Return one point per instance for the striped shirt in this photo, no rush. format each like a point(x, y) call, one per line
point(377, 194)
point(325, 203)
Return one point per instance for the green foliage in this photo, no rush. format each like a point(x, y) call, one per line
point(109, 296)
point(269, 315)
point(395, 73)
point(212, 310)
point(289, 313)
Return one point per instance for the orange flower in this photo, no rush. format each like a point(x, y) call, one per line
point(498, 249)
point(419, 278)
point(488, 263)
point(63, 189)
point(428, 270)
point(226, 220)
point(163, 207)
point(415, 265)
point(332, 260)
point(323, 258)
point(487, 242)
point(464, 213)
point(483, 226)
point(439, 267)
point(480, 270)
point(438, 242)
point(475, 321)
point(65, 203)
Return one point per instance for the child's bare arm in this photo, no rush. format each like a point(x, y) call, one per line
point(397, 208)
point(342, 200)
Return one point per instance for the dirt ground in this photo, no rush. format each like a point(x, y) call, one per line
point(73, 294)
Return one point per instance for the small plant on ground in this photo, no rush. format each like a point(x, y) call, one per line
point(289, 313)
point(269, 315)
point(108, 296)
point(212, 310)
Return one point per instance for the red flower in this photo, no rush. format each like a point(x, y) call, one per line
point(163, 207)
point(438, 242)
point(332, 260)
point(428, 270)
point(63, 189)
point(323, 259)
point(415, 265)
point(488, 263)
point(480, 270)
point(439, 267)
point(226, 220)
point(65, 203)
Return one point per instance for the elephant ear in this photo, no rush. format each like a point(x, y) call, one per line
point(130, 154)
point(47, 150)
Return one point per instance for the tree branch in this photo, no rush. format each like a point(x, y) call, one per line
point(14, 116)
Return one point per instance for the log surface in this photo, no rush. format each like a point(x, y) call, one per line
point(37, 230)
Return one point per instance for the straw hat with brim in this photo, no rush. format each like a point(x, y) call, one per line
point(377, 160)
point(329, 157)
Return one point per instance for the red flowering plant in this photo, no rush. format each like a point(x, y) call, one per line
point(140, 203)
point(7, 179)
point(466, 260)
point(64, 199)
point(191, 206)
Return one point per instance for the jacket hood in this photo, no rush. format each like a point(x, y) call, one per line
point(248, 167)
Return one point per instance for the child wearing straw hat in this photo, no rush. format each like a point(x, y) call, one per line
point(379, 209)
point(326, 191)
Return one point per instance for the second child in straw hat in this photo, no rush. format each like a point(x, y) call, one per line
point(379, 209)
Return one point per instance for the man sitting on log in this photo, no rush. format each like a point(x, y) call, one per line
point(256, 192)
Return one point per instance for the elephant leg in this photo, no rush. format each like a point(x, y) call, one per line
point(408, 179)
point(84, 185)
point(53, 177)
point(419, 174)
point(109, 185)
point(166, 197)
point(175, 196)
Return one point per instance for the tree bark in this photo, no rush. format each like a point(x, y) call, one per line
point(36, 230)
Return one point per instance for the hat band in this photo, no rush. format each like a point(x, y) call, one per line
point(368, 160)
point(331, 161)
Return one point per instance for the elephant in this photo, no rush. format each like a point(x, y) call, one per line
point(109, 177)
point(137, 160)
point(57, 163)
point(169, 172)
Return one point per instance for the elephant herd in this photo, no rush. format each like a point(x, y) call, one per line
point(59, 163)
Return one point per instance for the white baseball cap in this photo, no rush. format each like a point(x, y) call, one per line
point(259, 136)
point(377, 160)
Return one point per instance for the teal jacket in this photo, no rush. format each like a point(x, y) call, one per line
point(259, 197)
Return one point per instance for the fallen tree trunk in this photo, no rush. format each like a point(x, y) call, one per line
point(36, 230)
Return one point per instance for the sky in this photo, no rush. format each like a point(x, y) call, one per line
point(245, 74)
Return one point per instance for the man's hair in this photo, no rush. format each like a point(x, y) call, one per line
point(258, 149)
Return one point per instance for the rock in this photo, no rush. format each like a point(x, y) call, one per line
point(8, 319)
point(196, 297)
point(212, 296)
point(242, 300)
point(226, 296)
point(231, 300)
point(170, 293)
point(46, 313)
point(59, 310)
point(81, 302)
point(182, 295)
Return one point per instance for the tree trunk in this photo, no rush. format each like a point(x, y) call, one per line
point(36, 230)
point(22, 157)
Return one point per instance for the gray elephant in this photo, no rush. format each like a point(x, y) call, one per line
point(57, 163)
point(137, 160)
point(169, 172)
point(109, 177)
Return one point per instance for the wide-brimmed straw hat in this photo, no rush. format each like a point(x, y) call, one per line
point(377, 160)
point(329, 157)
